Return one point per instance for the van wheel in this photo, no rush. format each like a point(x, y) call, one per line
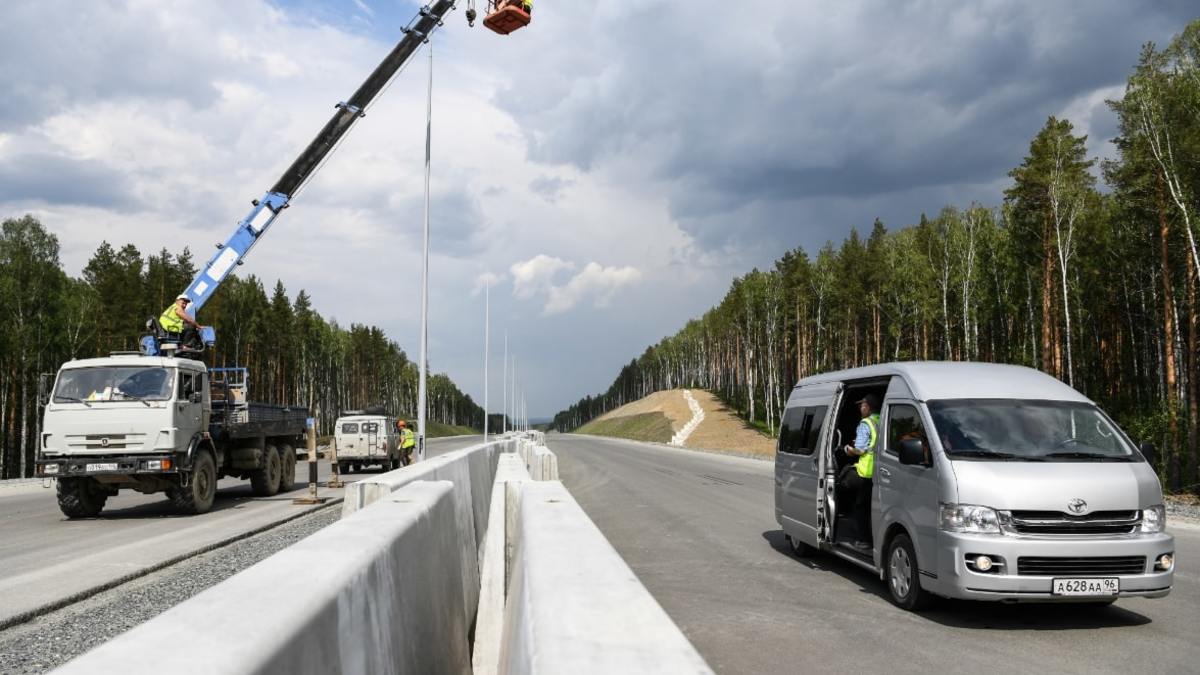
point(80, 497)
point(799, 548)
point(198, 496)
point(903, 575)
point(265, 481)
point(287, 477)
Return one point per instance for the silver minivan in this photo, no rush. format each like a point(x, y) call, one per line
point(991, 482)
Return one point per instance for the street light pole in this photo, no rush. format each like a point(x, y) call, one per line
point(505, 382)
point(422, 400)
point(487, 319)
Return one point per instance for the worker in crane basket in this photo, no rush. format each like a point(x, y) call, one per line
point(179, 325)
point(408, 441)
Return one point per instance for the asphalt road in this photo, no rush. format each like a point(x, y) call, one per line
point(46, 558)
point(699, 531)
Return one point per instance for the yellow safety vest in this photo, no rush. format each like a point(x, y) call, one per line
point(170, 321)
point(407, 439)
point(865, 467)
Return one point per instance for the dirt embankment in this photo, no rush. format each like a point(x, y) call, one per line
point(658, 416)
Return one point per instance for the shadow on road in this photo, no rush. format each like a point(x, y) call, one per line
point(974, 614)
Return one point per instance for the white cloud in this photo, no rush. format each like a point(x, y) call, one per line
point(595, 281)
point(536, 274)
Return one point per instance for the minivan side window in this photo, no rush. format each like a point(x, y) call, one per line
point(349, 428)
point(801, 429)
point(905, 422)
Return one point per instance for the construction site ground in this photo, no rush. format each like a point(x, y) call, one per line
point(721, 430)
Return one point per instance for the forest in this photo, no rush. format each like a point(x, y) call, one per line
point(295, 356)
point(1086, 270)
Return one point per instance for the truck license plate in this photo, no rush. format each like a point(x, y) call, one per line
point(1093, 586)
point(106, 466)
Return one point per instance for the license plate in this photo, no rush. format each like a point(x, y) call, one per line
point(106, 466)
point(1091, 586)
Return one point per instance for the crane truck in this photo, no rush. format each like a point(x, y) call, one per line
point(158, 420)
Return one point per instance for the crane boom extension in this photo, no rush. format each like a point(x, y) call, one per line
point(251, 228)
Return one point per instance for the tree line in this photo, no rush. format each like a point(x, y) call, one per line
point(294, 355)
point(1097, 288)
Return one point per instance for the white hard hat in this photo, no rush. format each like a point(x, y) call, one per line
point(183, 296)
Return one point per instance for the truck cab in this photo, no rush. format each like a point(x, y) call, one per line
point(147, 423)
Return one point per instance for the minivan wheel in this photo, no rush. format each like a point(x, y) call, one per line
point(903, 575)
point(799, 548)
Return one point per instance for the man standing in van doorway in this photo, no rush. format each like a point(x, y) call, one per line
point(856, 478)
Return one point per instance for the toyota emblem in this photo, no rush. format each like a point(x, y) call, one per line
point(1077, 506)
point(104, 442)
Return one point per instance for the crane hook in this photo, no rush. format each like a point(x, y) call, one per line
point(471, 13)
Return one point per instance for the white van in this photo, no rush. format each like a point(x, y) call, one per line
point(366, 440)
point(991, 482)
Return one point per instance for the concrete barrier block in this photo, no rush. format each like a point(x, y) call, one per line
point(378, 592)
point(573, 604)
point(489, 620)
point(472, 471)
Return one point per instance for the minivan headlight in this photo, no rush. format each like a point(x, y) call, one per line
point(970, 519)
point(1154, 519)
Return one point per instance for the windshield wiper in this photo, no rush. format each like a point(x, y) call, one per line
point(135, 396)
point(71, 399)
point(1088, 455)
point(989, 454)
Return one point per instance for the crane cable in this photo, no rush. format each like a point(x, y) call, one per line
point(376, 99)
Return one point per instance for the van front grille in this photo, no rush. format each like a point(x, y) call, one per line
point(1080, 567)
point(1055, 522)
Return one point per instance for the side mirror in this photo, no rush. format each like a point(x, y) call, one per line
point(912, 452)
point(196, 397)
point(1150, 453)
point(44, 385)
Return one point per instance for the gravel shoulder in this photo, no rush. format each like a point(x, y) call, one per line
point(53, 639)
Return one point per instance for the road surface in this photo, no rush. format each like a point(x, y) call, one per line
point(46, 559)
point(699, 530)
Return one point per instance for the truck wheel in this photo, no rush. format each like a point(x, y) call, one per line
point(265, 481)
point(903, 576)
point(287, 457)
point(80, 497)
point(200, 492)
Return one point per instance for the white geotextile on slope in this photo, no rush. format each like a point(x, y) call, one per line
point(681, 436)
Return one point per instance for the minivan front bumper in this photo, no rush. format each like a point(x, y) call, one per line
point(956, 579)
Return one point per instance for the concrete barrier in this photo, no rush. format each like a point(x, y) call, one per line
point(493, 570)
point(541, 462)
point(472, 471)
point(573, 604)
point(378, 592)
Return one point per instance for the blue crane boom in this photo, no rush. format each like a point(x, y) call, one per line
point(256, 223)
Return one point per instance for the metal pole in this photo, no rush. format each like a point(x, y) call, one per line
point(421, 392)
point(487, 318)
point(312, 498)
point(505, 382)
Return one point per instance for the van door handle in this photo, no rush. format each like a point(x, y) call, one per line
point(885, 473)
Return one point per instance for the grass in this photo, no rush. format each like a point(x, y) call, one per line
point(439, 430)
point(653, 426)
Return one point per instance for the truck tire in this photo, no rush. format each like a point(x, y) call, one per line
point(80, 497)
point(264, 482)
point(201, 490)
point(287, 457)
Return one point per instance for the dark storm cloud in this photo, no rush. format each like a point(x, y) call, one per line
point(840, 103)
point(58, 180)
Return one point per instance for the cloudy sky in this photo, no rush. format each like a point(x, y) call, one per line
point(608, 170)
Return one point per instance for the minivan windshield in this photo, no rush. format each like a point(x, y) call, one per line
point(113, 383)
point(1030, 431)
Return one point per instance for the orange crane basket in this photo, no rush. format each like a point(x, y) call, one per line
point(506, 19)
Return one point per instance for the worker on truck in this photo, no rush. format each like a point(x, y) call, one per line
point(180, 325)
point(408, 441)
